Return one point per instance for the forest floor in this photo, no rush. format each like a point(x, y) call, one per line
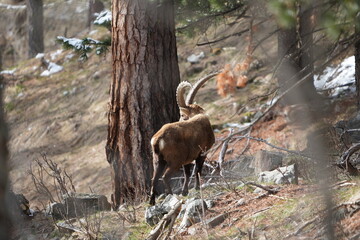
point(64, 116)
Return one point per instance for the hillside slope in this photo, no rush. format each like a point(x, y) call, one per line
point(64, 116)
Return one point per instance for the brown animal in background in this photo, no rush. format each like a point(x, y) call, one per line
point(178, 144)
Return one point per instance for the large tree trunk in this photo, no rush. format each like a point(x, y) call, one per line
point(296, 57)
point(288, 55)
point(4, 217)
point(145, 77)
point(357, 60)
point(306, 29)
point(35, 27)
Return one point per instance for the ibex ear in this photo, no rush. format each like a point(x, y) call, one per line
point(184, 110)
point(184, 113)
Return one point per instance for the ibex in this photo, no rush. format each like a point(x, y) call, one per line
point(187, 108)
point(178, 144)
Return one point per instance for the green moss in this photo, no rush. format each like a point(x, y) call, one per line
point(9, 106)
point(344, 194)
point(19, 88)
point(139, 231)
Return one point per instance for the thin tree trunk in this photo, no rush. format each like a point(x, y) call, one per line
point(35, 27)
point(145, 77)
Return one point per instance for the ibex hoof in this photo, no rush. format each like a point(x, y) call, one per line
point(152, 201)
point(185, 192)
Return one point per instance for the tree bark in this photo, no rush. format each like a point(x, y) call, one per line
point(144, 81)
point(35, 27)
point(306, 29)
point(288, 55)
point(4, 216)
point(296, 56)
point(357, 60)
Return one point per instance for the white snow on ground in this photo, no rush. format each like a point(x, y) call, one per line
point(55, 54)
point(104, 16)
point(195, 58)
point(336, 76)
point(8, 6)
point(69, 56)
point(53, 68)
point(39, 55)
point(10, 72)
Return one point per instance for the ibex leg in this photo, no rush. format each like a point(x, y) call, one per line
point(158, 171)
point(166, 178)
point(187, 173)
point(198, 167)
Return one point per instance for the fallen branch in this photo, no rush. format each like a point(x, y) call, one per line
point(167, 220)
point(302, 227)
point(344, 162)
point(223, 152)
point(268, 189)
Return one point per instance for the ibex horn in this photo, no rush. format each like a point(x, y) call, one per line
point(191, 95)
point(180, 91)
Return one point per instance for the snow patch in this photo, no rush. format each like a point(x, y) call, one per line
point(93, 32)
point(76, 42)
point(55, 54)
point(52, 68)
point(103, 17)
point(10, 72)
point(337, 79)
point(195, 58)
point(69, 56)
point(39, 55)
point(8, 6)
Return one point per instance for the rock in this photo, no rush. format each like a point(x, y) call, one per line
point(215, 221)
point(192, 211)
point(78, 205)
point(282, 175)
point(56, 210)
point(240, 202)
point(240, 167)
point(195, 58)
point(267, 161)
point(18, 204)
point(154, 213)
point(191, 231)
point(347, 130)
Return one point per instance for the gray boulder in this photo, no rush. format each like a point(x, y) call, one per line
point(78, 205)
point(282, 175)
point(191, 212)
point(239, 167)
point(267, 161)
point(56, 210)
point(154, 213)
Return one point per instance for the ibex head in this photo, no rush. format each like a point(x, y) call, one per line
point(187, 108)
